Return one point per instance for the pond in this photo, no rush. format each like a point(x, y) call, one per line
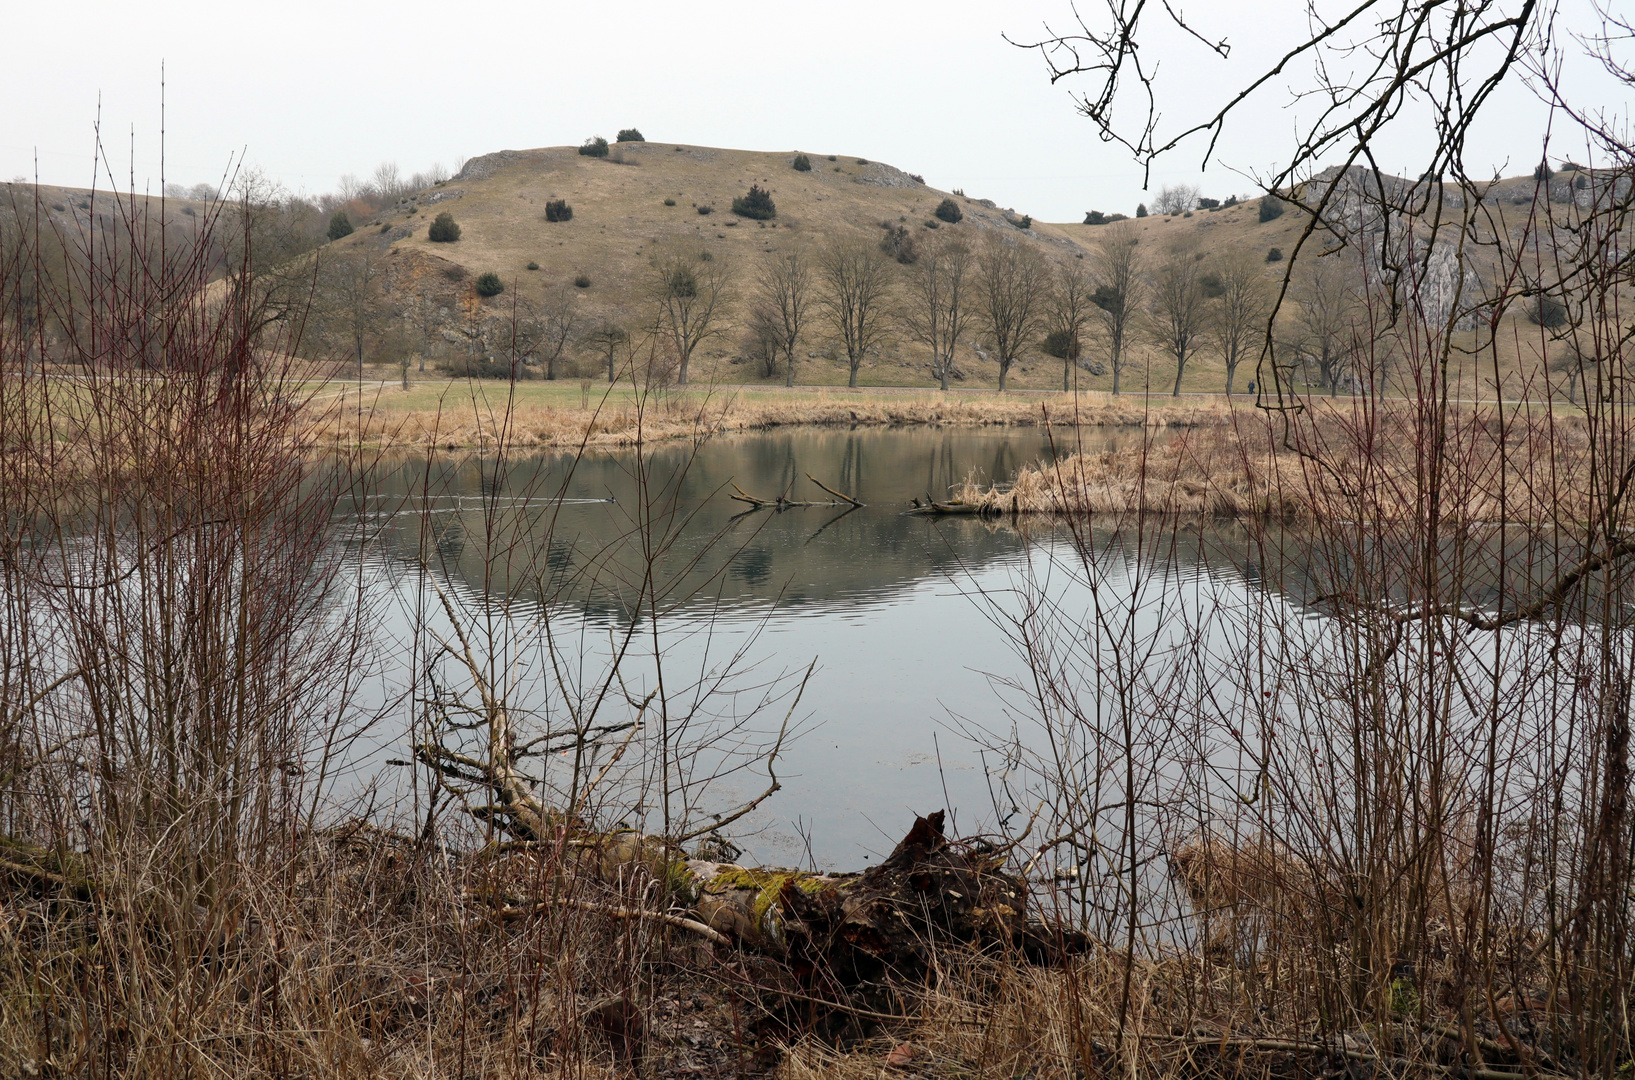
point(906, 618)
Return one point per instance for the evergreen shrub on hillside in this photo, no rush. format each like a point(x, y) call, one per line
point(581, 282)
point(533, 265)
point(1271, 207)
point(756, 204)
point(1274, 254)
point(948, 211)
point(1095, 217)
point(558, 210)
point(489, 284)
point(899, 245)
point(802, 163)
point(669, 202)
point(706, 209)
point(340, 225)
point(1546, 311)
point(1140, 209)
point(596, 147)
point(630, 135)
point(443, 229)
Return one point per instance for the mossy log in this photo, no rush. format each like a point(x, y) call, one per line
point(854, 926)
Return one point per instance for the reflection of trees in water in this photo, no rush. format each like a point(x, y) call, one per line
point(753, 565)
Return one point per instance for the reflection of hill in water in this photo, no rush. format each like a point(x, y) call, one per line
point(587, 552)
point(508, 533)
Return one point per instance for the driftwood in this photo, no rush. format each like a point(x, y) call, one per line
point(784, 502)
point(930, 890)
point(933, 507)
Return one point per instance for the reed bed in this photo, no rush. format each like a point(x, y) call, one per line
point(1245, 463)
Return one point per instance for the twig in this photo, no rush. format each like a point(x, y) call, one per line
point(832, 491)
point(678, 921)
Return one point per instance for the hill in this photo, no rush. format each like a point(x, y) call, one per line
point(644, 196)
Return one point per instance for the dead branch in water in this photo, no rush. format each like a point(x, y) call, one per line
point(784, 502)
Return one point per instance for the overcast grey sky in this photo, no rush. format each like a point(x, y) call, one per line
point(309, 90)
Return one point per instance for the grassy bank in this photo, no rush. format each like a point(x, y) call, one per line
point(480, 414)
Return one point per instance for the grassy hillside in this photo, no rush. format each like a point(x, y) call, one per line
point(621, 217)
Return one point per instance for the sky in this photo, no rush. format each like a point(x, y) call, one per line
point(307, 91)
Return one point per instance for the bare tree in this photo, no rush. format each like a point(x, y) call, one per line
point(1012, 283)
point(780, 303)
point(1116, 268)
point(1238, 325)
point(545, 328)
point(350, 290)
point(1326, 305)
point(1070, 305)
point(690, 289)
point(606, 337)
point(854, 284)
point(938, 310)
point(1175, 199)
point(762, 341)
point(1175, 321)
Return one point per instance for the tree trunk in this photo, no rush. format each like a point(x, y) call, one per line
point(1004, 370)
point(789, 367)
point(853, 382)
point(1180, 370)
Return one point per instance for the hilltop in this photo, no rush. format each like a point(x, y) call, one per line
point(646, 195)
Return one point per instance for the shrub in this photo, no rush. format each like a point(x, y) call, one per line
point(581, 282)
point(596, 147)
point(1140, 209)
point(831, 157)
point(454, 272)
point(1025, 222)
point(1207, 204)
point(465, 367)
point(1569, 166)
point(1095, 217)
point(899, 245)
point(1058, 343)
point(1271, 207)
point(706, 209)
point(932, 223)
point(443, 229)
point(948, 211)
point(558, 210)
point(1543, 172)
point(916, 177)
point(669, 202)
point(533, 265)
point(1213, 286)
point(1117, 217)
point(1546, 311)
point(489, 284)
point(756, 204)
point(862, 161)
point(340, 225)
point(1274, 254)
point(630, 135)
point(1231, 200)
point(802, 163)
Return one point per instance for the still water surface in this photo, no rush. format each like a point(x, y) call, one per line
point(898, 611)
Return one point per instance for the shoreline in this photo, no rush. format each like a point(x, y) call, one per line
point(483, 416)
